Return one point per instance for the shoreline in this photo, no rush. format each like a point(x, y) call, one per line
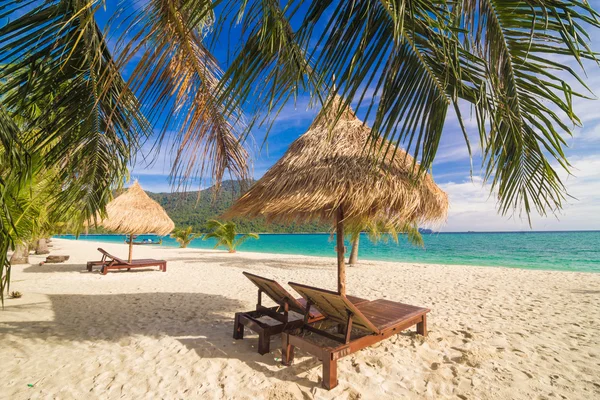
point(333, 257)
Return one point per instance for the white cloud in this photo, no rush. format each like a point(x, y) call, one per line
point(454, 152)
point(473, 208)
point(587, 135)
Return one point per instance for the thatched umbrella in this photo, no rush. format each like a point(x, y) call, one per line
point(134, 212)
point(328, 174)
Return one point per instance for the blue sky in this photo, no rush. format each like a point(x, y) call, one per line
point(472, 207)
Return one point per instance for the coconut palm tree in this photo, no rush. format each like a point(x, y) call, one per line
point(15, 167)
point(20, 255)
point(226, 235)
point(54, 183)
point(184, 236)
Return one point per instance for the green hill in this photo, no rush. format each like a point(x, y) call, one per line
point(196, 208)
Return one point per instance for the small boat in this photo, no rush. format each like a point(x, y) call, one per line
point(146, 242)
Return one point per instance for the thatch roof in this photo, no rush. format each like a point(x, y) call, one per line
point(326, 168)
point(134, 212)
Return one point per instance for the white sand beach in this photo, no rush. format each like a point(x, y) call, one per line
point(494, 333)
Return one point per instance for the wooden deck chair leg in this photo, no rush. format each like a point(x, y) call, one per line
point(106, 267)
point(422, 326)
point(287, 350)
point(264, 342)
point(238, 328)
point(329, 372)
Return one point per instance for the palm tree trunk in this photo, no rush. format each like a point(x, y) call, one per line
point(42, 247)
point(354, 252)
point(21, 255)
point(130, 246)
point(341, 250)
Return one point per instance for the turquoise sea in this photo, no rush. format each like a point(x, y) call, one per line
point(566, 251)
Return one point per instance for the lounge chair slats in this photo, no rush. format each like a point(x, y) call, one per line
point(335, 306)
point(385, 313)
point(315, 313)
point(275, 292)
point(284, 312)
point(378, 320)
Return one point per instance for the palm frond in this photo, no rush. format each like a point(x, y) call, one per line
point(525, 101)
point(185, 236)
point(408, 62)
point(243, 238)
point(79, 121)
point(15, 167)
point(55, 54)
point(271, 54)
point(379, 231)
point(177, 78)
point(226, 234)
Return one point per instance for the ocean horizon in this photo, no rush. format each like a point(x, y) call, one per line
point(577, 251)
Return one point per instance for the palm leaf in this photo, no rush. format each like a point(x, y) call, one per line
point(243, 238)
point(177, 78)
point(55, 53)
point(407, 62)
point(15, 168)
point(526, 100)
point(80, 122)
point(272, 55)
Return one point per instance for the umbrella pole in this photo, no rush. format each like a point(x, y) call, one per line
point(130, 246)
point(339, 227)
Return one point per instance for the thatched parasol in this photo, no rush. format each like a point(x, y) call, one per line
point(134, 212)
point(328, 174)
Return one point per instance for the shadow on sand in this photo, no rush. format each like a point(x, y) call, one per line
point(49, 268)
point(239, 261)
point(60, 267)
point(201, 322)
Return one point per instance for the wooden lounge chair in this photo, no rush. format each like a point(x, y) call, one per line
point(109, 262)
point(287, 314)
point(372, 321)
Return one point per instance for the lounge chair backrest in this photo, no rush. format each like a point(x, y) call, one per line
point(276, 292)
point(334, 306)
point(107, 254)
